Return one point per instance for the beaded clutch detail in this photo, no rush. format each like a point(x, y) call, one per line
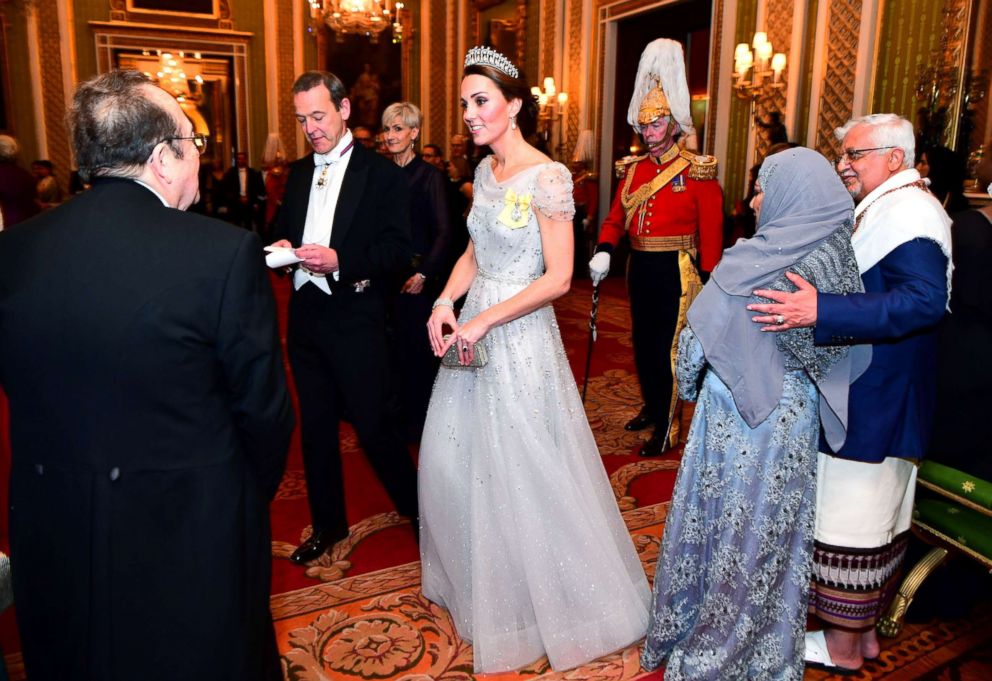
point(487, 56)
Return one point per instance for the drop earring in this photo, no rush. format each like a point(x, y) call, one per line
point(513, 122)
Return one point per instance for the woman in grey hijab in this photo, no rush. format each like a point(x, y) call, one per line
point(732, 580)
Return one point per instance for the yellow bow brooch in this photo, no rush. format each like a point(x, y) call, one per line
point(516, 210)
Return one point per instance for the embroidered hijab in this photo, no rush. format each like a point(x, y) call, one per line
point(805, 227)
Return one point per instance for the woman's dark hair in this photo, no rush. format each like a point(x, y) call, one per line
point(947, 175)
point(115, 126)
point(512, 88)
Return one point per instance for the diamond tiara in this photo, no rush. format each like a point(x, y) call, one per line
point(487, 56)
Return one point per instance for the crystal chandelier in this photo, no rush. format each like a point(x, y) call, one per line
point(359, 17)
point(172, 74)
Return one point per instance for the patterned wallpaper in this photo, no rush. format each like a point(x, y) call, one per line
point(909, 33)
point(778, 25)
point(837, 95)
point(736, 163)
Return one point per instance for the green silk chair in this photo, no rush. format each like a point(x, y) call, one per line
point(953, 513)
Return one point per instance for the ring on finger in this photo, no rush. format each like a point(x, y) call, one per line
point(779, 319)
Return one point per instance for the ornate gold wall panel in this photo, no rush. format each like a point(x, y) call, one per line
point(435, 48)
point(53, 94)
point(806, 77)
point(549, 26)
point(982, 55)
point(286, 38)
point(910, 30)
point(713, 105)
point(778, 25)
point(841, 59)
point(737, 163)
point(575, 63)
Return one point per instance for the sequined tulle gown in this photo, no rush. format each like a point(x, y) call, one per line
point(521, 538)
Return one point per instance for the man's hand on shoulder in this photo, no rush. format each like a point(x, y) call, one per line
point(790, 310)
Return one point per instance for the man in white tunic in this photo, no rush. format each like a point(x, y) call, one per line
point(865, 489)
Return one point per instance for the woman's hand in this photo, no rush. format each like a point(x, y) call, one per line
point(468, 335)
point(441, 317)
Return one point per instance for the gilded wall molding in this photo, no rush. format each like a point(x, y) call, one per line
point(112, 37)
point(573, 83)
point(778, 25)
point(712, 106)
point(286, 36)
point(52, 85)
point(841, 59)
point(7, 114)
point(219, 17)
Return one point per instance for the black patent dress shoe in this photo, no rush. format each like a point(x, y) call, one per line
point(315, 546)
point(640, 422)
point(653, 447)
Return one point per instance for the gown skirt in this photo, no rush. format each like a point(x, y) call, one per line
point(521, 537)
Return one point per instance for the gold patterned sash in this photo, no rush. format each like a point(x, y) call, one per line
point(691, 286)
point(631, 200)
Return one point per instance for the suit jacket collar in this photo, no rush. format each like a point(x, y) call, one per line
point(128, 188)
point(352, 188)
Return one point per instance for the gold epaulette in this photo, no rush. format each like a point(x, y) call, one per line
point(703, 167)
point(620, 167)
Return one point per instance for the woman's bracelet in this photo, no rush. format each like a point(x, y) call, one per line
point(446, 302)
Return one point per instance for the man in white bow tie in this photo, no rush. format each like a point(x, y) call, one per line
point(345, 212)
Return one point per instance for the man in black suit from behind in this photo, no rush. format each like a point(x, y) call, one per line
point(244, 195)
point(149, 413)
point(346, 213)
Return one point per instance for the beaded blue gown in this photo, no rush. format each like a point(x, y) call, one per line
point(733, 575)
point(521, 537)
point(733, 578)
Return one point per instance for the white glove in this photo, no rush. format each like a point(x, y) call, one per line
point(599, 267)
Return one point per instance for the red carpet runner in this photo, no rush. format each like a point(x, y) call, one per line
point(358, 613)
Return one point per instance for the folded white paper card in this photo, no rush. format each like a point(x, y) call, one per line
point(280, 256)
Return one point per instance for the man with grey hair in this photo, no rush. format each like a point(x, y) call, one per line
point(149, 413)
point(865, 489)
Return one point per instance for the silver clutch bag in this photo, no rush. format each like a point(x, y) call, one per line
point(451, 359)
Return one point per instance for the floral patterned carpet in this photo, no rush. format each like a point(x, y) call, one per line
point(358, 613)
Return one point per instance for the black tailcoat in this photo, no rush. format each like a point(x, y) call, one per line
point(337, 343)
point(149, 425)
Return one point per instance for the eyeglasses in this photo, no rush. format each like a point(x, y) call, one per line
point(199, 141)
point(852, 155)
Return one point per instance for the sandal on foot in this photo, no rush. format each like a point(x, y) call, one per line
point(818, 657)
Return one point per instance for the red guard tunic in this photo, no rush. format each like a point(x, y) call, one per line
point(672, 210)
point(689, 206)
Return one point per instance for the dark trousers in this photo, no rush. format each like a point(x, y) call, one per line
point(337, 349)
point(416, 365)
point(655, 286)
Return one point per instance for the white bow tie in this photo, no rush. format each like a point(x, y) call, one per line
point(328, 159)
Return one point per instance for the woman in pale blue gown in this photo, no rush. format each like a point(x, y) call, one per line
point(521, 537)
point(732, 581)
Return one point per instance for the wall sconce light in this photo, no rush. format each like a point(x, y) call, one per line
point(552, 107)
point(744, 61)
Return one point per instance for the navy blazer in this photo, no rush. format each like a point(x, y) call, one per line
point(892, 404)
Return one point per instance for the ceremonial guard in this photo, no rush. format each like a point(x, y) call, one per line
point(672, 207)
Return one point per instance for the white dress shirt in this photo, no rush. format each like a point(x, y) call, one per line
point(322, 204)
